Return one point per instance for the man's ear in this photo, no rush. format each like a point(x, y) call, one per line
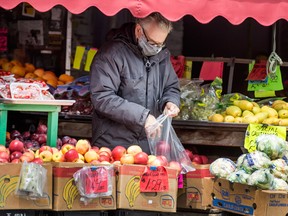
point(138, 30)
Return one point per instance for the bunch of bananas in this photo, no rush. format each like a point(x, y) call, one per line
point(70, 192)
point(132, 190)
point(8, 184)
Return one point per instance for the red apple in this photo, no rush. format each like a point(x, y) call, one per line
point(42, 138)
point(118, 152)
point(127, 159)
point(67, 147)
point(58, 157)
point(46, 156)
point(204, 159)
point(159, 161)
point(104, 158)
point(105, 149)
point(65, 139)
point(71, 155)
point(4, 155)
point(197, 159)
point(134, 149)
point(16, 145)
point(82, 146)
point(25, 158)
point(45, 148)
point(175, 165)
point(141, 158)
point(29, 154)
point(15, 155)
point(41, 128)
point(16, 160)
point(54, 150)
point(3, 148)
point(72, 141)
point(189, 154)
point(37, 161)
point(91, 155)
point(95, 148)
point(163, 148)
point(2, 160)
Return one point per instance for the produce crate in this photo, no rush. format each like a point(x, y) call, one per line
point(147, 201)
point(9, 175)
point(248, 200)
point(65, 193)
point(197, 189)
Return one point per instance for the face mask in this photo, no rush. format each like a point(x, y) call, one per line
point(148, 49)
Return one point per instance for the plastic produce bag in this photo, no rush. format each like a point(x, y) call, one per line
point(279, 168)
point(167, 144)
point(239, 176)
point(32, 180)
point(94, 181)
point(222, 167)
point(261, 178)
point(279, 184)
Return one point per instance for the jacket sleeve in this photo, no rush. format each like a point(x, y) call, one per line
point(104, 84)
point(171, 91)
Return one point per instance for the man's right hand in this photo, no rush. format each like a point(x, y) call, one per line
point(152, 127)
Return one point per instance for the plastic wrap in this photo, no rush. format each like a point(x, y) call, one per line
point(222, 167)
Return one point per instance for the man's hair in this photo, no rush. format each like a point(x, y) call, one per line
point(157, 18)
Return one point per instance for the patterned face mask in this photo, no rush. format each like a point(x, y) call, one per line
point(147, 48)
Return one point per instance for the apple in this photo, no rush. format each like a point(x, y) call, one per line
point(16, 145)
point(29, 154)
point(81, 157)
point(116, 162)
point(25, 158)
point(45, 148)
point(151, 158)
point(127, 159)
point(37, 161)
point(59, 143)
point(65, 139)
point(58, 157)
point(46, 156)
point(15, 155)
point(159, 161)
point(204, 159)
point(54, 150)
point(4, 155)
point(79, 161)
point(82, 146)
point(105, 149)
point(105, 153)
point(175, 165)
point(66, 147)
point(141, 158)
point(94, 162)
point(163, 148)
point(189, 154)
point(42, 138)
point(36, 154)
point(15, 134)
point(26, 135)
point(197, 159)
point(104, 158)
point(16, 160)
point(134, 149)
point(91, 155)
point(2, 160)
point(95, 148)
point(41, 128)
point(71, 155)
point(72, 141)
point(118, 152)
point(3, 148)
point(104, 162)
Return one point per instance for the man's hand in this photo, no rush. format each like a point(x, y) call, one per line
point(152, 127)
point(171, 109)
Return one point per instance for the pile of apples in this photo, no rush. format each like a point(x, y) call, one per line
point(196, 158)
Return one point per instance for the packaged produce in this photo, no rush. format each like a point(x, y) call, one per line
point(239, 176)
point(222, 167)
point(261, 178)
point(279, 184)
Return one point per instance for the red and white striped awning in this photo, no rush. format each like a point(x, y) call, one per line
point(266, 12)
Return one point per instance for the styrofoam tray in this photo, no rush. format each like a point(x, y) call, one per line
point(39, 102)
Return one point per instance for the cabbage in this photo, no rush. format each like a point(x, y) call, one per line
point(261, 178)
point(279, 169)
point(271, 144)
point(239, 176)
point(253, 161)
point(222, 167)
point(279, 184)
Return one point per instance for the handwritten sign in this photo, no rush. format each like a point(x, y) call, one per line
point(96, 180)
point(154, 179)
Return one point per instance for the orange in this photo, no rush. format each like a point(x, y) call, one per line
point(3, 60)
point(18, 70)
point(52, 82)
point(66, 78)
point(39, 72)
point(49, 75)
point(16, 62)
point(30, 68)
point(30, 75)
point(60, 82)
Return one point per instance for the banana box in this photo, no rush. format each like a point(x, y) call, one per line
point(129, 195)
point(66, 196)
point(9, 176)
point(197, 189)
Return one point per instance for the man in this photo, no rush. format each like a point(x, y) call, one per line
point(132, 83)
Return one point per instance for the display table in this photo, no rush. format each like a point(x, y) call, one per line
point(52, 107)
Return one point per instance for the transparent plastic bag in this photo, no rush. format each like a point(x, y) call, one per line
point(168, 145)
point(93, 182)
point(32, 181)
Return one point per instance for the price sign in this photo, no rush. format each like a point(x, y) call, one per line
point(154, 179)
point(258, 72)
point(96, 180)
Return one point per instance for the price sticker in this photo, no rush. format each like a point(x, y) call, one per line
point(154, 179)
point(96, 180)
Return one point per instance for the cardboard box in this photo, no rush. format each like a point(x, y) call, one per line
point(197, 189)
point(9, 175)
point(147, 201)
point(65, 193)
point(248, 200)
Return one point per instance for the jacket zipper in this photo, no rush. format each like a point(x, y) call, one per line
point(148, 68)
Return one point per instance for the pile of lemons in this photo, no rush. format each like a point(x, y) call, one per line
point(244, 111)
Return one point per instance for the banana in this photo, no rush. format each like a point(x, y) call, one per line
point(8, 184)
point(70, 192)
point(132, 190)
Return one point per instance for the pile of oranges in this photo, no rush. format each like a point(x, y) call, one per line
point(29, 71)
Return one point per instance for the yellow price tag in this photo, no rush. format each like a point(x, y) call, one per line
point(78, 57)
point(90, 55)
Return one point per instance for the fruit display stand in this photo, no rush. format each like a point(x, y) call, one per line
point(52, 107)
